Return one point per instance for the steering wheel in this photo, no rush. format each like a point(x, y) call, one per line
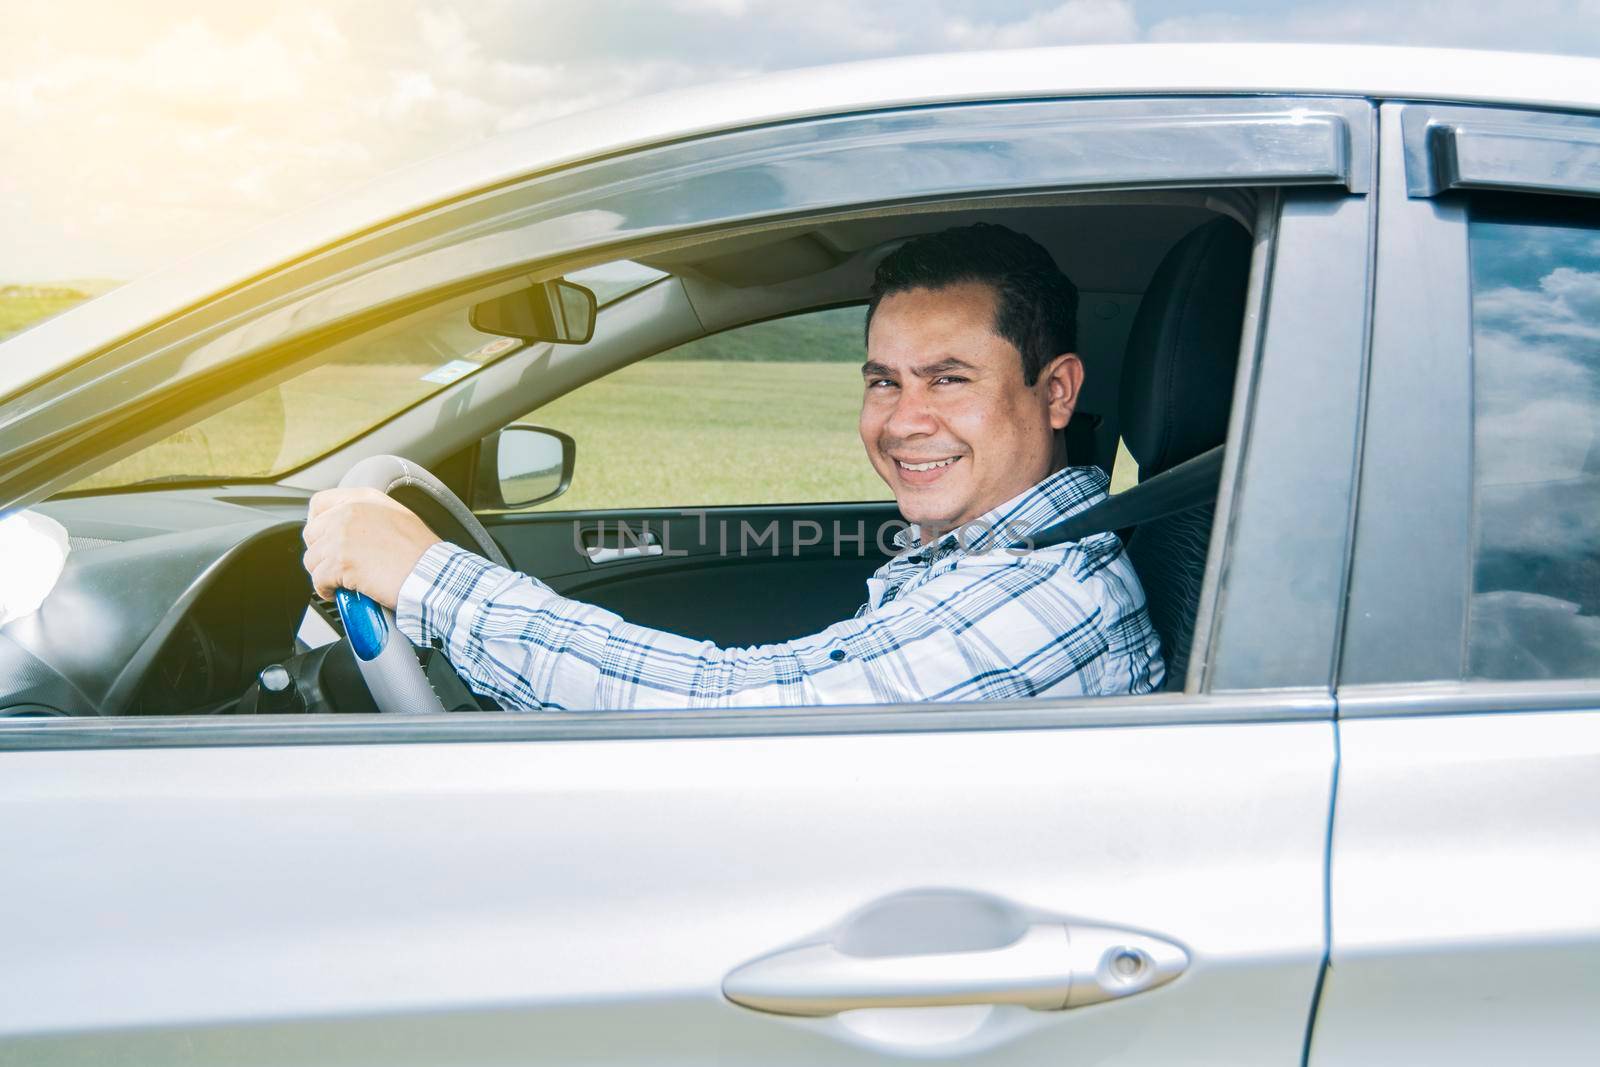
point(383, 654)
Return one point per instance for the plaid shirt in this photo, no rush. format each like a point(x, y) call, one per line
point(976, 615)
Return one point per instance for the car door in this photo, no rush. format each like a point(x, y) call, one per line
point(849, 885)
point(1465, 880)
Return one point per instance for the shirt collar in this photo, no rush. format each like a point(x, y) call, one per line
point(1066, 492)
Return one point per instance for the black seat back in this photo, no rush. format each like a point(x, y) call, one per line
point(1177, 388)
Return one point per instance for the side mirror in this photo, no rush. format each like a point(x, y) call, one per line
point(559, 311)
point(521, 466)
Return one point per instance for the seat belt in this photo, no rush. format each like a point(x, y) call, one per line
point(1188, 485)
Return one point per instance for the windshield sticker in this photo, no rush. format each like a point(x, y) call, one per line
point(494, 348)
point(446, 373)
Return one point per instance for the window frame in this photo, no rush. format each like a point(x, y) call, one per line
point(1415, 537)
point(1250, 429)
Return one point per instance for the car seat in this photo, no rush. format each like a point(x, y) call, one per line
point(1174, 403)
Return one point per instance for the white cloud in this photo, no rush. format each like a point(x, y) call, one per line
point(596, 87)
point(1577, 291)
point(1526, 25)
point(142, 149)
point(147, 129)
point(1074, 22)
point(1536, 354)
point(1566, 305)
point(728, 8)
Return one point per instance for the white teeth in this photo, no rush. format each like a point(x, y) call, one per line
point(928, 466)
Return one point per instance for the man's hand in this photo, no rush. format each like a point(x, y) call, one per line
point(360, 539)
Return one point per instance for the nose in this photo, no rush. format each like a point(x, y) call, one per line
point(913, 415)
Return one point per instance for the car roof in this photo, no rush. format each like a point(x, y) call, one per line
point(1099, 70)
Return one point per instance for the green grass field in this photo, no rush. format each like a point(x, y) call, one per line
point(22, 306)
point(19, 312)
point(686, 433)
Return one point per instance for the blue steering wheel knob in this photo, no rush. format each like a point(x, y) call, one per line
point(364, 623)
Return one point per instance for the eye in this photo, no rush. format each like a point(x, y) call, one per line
point(952, 379)
point(876, 383)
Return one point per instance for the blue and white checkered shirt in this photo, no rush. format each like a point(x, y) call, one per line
point(976, 615)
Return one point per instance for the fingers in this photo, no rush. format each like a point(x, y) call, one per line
point(360, 539)
point(313, 559)
point(328, 574)
point(327, 509)
point(322, 501)
point(323, 537)
point(321, 504)
point(327, 500)
point(325, 580)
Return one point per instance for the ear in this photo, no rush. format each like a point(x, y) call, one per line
point(1062, 380)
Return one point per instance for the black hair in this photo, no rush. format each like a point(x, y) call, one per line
point(1036, 306)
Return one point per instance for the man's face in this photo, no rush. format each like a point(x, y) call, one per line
point(946, 418)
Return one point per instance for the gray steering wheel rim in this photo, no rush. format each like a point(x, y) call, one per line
point(394, 677)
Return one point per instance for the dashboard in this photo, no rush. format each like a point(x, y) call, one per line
point(243, 620)
point(170, 603)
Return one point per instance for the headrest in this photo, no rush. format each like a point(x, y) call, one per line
point(1177, 375)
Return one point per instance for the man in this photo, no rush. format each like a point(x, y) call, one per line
point(970, 373)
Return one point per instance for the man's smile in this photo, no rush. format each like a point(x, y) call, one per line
point(923, 471)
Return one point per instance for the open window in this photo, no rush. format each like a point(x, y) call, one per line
point(683, 449)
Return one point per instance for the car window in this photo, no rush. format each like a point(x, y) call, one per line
point(763, 414)
point(1124, 469)
point(1535, 607)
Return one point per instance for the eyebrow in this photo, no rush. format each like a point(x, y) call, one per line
point(874, 369)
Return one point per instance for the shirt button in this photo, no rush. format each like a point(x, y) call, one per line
point(837, 655)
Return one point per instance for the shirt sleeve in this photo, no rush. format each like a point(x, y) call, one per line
point(1002, 626)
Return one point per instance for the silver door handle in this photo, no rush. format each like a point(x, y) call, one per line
point(1050, 967)
point(646, 544)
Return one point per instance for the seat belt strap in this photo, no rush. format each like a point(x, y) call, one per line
point(1188, 485)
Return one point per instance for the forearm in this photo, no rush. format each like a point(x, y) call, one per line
point(956, 638)
point(492, 623)
point(515, 639)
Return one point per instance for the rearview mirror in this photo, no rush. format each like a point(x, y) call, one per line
point(558, 311)
point(522, 466)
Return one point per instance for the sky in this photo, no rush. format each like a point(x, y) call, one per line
point(137, 134)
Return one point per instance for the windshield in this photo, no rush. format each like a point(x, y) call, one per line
point(366, 383)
